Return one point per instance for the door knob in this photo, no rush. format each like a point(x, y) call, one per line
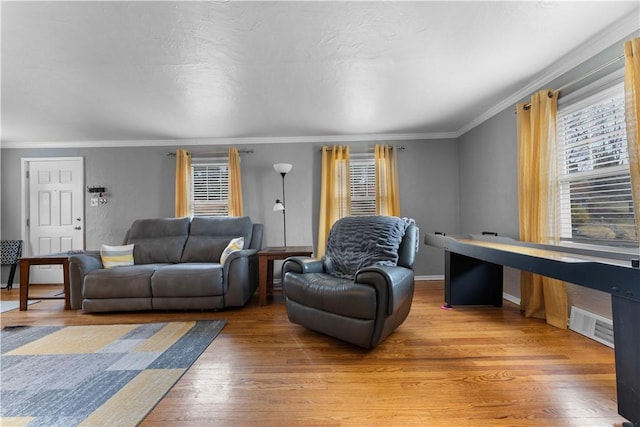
point(77, 228)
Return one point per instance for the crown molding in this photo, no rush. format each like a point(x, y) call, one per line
point(231, 141)
point(623, 28)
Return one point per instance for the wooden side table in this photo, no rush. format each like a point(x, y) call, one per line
point(55, 259)
point(266, 256)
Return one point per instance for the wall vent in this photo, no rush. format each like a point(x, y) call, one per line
point(591, 325)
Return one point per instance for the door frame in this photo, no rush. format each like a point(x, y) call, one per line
point(24, 194)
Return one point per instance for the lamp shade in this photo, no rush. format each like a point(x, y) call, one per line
point(283, 167)
point(278, 206)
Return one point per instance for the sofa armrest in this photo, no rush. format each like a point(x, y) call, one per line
point(79, 266)
point(87, 261)
point(392, 284)
point(302, 265)
point(240, 273)
point(243, 253)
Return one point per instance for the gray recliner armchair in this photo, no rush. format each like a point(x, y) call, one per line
point(362, 288)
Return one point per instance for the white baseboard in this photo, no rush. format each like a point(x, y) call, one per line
point(511, 298)
point(435, 277)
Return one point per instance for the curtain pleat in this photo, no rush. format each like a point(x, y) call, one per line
point(236, 207)
point(541, 297)
point(387, 191)
point(183, 184)
point(335, 192)
point(632, 118)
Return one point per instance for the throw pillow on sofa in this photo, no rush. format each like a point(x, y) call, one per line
point(234, 245)
point(114, 256)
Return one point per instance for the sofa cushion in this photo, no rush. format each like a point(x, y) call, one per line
point(209, 236)
point(188, 280)
point(204, 249)
point(119, 282)
point(159, 240)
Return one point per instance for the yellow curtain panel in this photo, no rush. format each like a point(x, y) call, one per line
point(541, 297)
point(236, 207)
point(632, 118)
point(183, 184)
point(387, 191)
point(335, 192)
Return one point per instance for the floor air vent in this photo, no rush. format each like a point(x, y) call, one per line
point(591, 325)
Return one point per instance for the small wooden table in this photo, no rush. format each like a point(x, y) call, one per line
point(54, 259)
point(266, 256)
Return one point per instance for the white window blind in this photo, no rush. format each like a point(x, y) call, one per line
point(363, 185)
point(594, 178)
point(210, 187)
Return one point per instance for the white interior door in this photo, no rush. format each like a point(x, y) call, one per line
point(55, 211)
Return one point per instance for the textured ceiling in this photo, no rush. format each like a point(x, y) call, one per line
point(137, 70)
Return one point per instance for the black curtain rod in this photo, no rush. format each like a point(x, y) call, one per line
point(581, 78)
point(397, 147)
point(209, 153)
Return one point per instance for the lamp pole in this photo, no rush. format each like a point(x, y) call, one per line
point(283, 169)
point(284, 214)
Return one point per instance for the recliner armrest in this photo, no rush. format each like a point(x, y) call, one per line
point(302, 265)
point(391, 283)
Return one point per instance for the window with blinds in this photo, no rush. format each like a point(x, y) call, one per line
point(363, 185)
point(210, 188)
point(594, 178)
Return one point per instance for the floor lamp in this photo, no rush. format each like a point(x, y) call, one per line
point(282, 169)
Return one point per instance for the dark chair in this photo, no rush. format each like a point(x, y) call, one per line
point(362, 289)
point(10, 251)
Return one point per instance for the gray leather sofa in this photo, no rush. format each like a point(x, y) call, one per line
point(176, 267)
point(362, 289)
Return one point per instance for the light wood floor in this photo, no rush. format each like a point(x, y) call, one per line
point(463, 367)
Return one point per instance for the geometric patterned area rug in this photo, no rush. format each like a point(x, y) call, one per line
point(102, 375)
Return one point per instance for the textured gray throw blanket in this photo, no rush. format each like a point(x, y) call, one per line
point(356, 242)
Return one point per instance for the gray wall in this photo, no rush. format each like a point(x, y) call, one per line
point(488, 177)
point(489, 183)
point(140, 184)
